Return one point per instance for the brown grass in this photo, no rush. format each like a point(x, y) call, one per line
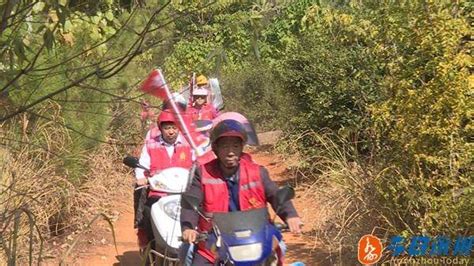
point(341, 187)
point(38, 202)
point(57, 206)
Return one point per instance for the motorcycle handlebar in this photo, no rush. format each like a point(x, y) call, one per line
point(199, 238)
point(281, 227)
point(203, 236)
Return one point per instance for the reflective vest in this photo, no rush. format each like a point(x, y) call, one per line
point(159, 158)
point(206, 112)
point(216, 194)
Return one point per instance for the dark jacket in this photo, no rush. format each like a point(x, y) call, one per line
point(189, 218)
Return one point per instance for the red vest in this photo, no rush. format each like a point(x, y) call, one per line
point(216, 194)
point(206, 112)
point(159, 158)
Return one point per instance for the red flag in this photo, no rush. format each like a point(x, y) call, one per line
point(195, 132)
point(200, 133)
point(155, 85)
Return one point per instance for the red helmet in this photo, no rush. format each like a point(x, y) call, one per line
point(166, 116)
point(228, 128)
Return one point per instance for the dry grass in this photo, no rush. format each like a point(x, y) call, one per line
point(55, 205)
point(337, 182)
point(38, 202)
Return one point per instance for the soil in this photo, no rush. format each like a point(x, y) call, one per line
point(97, 246)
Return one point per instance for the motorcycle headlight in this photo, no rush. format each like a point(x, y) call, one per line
point(243, 234)
point(172, 209)
point(246, 252)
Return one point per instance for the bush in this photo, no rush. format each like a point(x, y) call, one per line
point(422, 121)
point(399, 98)
point(254, 92)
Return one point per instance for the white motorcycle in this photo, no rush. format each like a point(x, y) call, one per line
point(165, 212)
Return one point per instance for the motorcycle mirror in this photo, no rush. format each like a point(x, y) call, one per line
point(285, 194)
point(131, 161)
point(190, 202)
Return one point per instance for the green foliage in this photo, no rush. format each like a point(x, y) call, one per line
point(333, 84)
point(283, 31)
point(392, 80)
point(398, 95)
point(254, 92)
point(424, 116)
point(66, 45)
point(217, 37)
point(401, 94)
point(188, 57)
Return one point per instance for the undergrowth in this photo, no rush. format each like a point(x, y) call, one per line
point(350, 193)
point(39, 204)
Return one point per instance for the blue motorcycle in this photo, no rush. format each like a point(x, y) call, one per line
point(245, 238)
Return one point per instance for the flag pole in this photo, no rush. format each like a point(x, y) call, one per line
point(191, 88)
point(178, 115)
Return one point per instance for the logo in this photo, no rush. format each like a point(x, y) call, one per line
point(431, 246)
point(417, 249)
point(182, 156)
point(254, 202)
point(369, 249)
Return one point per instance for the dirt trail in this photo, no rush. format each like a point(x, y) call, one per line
point(103, 252)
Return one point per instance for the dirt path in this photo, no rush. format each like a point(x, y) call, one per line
point(98, 247)
point(101, 251)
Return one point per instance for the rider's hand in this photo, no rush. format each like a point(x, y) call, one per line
point(190, 235)
point(294, 224)
point(142, 182)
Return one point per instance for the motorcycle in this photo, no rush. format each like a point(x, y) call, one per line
point(244, 238)
point(165, 212)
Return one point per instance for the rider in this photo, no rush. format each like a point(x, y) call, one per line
point(200, 109)
point(168, 149)
point(180, 105)
point(230, 184)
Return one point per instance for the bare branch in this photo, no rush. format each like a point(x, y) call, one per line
point(6, 14)
point(48, 96)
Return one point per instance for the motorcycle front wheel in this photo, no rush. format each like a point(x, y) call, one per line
point(272, 260)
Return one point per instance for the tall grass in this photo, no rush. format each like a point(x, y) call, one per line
point(343, 187)
point(362, 194)
point(38, 202)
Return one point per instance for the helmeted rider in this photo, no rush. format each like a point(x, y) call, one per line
point(180, 105)
point(200, 109)
point(168, 149)
point(230, 183)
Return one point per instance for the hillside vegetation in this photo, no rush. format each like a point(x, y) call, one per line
point(374, 97)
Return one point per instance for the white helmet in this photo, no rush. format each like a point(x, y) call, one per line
point(200, 92)
point(178, 98)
